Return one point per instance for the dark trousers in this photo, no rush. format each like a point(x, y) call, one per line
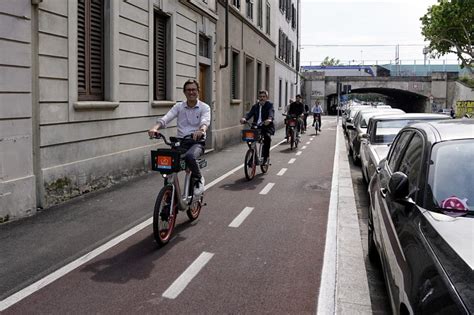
point(193, 152)
point(305, 120)
point(267, 141)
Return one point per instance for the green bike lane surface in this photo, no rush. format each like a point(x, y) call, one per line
point(270, 263)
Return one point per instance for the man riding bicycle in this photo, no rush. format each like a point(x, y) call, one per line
point(317, 111)
point(297, 109)
point(263, 113)
point(192, 118)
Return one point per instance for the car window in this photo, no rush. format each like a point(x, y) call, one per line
point(451, 175)
point(397, 148)
point(410, 163)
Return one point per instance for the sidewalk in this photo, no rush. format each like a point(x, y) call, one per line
point(34, 247)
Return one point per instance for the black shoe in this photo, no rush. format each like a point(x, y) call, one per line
point(199, 186)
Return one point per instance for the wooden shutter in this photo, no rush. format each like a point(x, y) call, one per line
point(90, 49)
point(160, 56)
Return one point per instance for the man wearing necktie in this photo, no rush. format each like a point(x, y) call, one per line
point(262, 114)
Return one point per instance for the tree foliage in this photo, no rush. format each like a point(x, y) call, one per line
point(330, 62)
point(449, 27)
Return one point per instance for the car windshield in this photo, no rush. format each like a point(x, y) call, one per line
point(386, 131)
point(451, 177)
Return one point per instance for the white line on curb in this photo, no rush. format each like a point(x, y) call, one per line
point(185, 278)
point(327, 289)
point(241, 217)
point(267, 188)
point(291, 161)
point(282, 171)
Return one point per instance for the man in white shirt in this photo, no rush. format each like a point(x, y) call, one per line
point(192, 118)
point(317, 111)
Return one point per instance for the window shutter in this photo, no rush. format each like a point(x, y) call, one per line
point(90, 49)
point(81, 47)
point(96, 49)
point(160, 56)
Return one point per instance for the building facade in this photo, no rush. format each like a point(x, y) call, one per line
point(286, 29)
point(81, 81)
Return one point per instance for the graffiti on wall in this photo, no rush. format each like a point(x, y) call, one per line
point(464, 107)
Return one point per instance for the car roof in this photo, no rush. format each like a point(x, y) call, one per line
point(420, 116)
point(444, 130)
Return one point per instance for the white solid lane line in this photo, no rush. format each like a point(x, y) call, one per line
point(282, 171)
point(241, 217)
point(20, 295)
point(291, 161)
point(267, 188)
point(299, 152)
point(185, 278)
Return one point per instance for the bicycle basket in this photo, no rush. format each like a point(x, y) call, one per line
point(166, 161)
point(250, 134)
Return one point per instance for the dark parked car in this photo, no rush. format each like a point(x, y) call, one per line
point(381, 131)
point(421, 218)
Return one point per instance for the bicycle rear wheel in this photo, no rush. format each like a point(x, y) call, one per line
point(164, 218)
point(316, 127)
point(250, 165)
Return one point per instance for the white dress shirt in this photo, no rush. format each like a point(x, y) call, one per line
point(188, 119)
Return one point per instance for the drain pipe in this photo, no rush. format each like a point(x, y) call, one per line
point(226, 63)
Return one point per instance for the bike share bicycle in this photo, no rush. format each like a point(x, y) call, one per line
point(169, 162)
point(292, 133)
point(254, 138)
point(316, 123)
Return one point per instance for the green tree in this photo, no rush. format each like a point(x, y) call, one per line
point(330, 62)
point(449, 27)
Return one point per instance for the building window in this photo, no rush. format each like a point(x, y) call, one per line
point(281, 5)
point(90, 50)
point(250, 9)
point(235, 76)
point(280, 93)
point(268, 18)
point(160, 54)
point(267, 78)
point(260, 13)
point(236, 3)
point(293, 16)
point(288, 10)
point(286, 92)
point(204, 46)
point(259, 76)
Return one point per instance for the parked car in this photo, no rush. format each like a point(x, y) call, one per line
point(359, 128)
point(421, 218)
point(381, 131)
point(347, 117)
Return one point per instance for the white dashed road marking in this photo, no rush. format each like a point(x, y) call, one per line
point(304, 147)
point(185, 278)
point(241, 217)
point(291, 161)
point(267, 188)
point(309, 142)
point(282, 171)
point(299, 152)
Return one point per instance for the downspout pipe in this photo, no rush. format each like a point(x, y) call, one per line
point(226, 63)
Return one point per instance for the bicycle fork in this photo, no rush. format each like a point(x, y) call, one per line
point(182, 201)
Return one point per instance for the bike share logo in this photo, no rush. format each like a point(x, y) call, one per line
point(163, 162)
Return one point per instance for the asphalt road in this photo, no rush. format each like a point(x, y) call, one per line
point(270, 263)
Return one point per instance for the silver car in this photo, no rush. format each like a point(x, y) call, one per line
point(380, 133)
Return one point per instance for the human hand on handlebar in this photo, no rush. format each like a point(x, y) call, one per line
point(267, 122)
point(243, 120)
point(154, 133)
point(198, 134)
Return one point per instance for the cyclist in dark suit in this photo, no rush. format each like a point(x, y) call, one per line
point(262, 114)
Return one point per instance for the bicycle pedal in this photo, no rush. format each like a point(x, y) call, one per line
point(204, 204)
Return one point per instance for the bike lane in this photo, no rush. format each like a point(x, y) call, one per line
point(270, 262)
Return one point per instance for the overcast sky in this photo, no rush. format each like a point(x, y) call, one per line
point(363, 22)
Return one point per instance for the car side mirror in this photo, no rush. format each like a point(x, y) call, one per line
point(398, 186)
point(351, 127)
point(365, 136)
point(349, 119)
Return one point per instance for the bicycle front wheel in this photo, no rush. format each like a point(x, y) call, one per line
point(164, 218)
point(250, 165)
point(292, 139)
